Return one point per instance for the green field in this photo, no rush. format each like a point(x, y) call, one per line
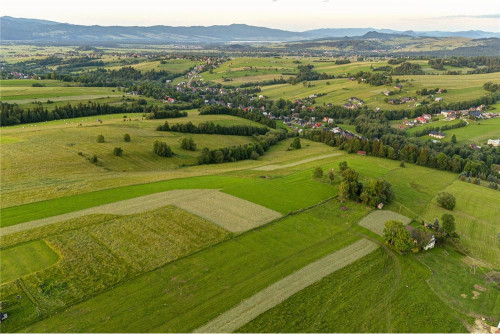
point(25, 259)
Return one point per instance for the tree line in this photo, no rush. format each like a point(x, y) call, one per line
point(12, 114)
point(242, 152)
point(443, 156)
point(251, 115)
point(212, 128)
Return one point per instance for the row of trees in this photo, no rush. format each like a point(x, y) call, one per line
point(439, 156)
point(212, 128)
point(251, 115)
point(12, 114)
point(242, 152)
point(162, 114)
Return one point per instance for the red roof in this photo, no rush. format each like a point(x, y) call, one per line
point(361, 152)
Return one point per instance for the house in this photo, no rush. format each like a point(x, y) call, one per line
point(438, 99)
point(421, 119)
point(494, 142)
point(437, 134)
point(386, 92)
point(427, 116)
point(476, 114)
point(380, 206)
point(398, 86)
point(361, 153)
point(431, 243)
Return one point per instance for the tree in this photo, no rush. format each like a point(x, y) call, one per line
point(296, 143)
point(331, 175)
point(254, 155)
point(318, 173)
point(162, 149)
point(453, 139)
point(118, 151)
point(343, 166)
point(436, 225)
point(446, 200)
point(377, 191)
point(396, 235)
point(448, 222)
point(100, 139)
point(402, 164)
point(126, 137)
point(188, 144)
point(343, 191)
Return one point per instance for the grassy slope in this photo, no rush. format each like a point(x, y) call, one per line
point(477, 215)
point(381, 292)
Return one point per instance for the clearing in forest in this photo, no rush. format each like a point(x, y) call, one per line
point(375, 220)
point(292, 164)
point(232, 213)
point(276, 293)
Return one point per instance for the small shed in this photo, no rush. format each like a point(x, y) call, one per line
point(380, 206)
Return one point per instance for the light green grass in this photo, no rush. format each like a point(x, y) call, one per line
point(24, 259)
point(477, 217)
point(381, 292)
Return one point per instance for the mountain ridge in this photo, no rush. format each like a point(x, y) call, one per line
point(25, 29)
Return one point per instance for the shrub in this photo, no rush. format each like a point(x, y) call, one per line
point(118, 151)
point(162, 149)
point(318, 173)
point(446, 200)
point(93, 159)
point(100, 139)
point(343, 166)
point(188, 144)
point(296, 143)
point(254, 155)
point(493, 185)
point(402, 164)
point(126, 137)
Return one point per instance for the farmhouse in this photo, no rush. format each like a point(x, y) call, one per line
point(437, 134)
point(438, 99)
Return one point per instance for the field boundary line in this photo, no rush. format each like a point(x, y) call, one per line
point(283, 289)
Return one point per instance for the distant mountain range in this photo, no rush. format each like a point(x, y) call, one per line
point(20, 29)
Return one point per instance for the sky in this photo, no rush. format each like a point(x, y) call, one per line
point(295, 15)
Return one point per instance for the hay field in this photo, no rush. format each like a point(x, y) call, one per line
point(229, 212)
point(375, 220)
point(292, 164)
point(276, 293)
point(98, 255)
